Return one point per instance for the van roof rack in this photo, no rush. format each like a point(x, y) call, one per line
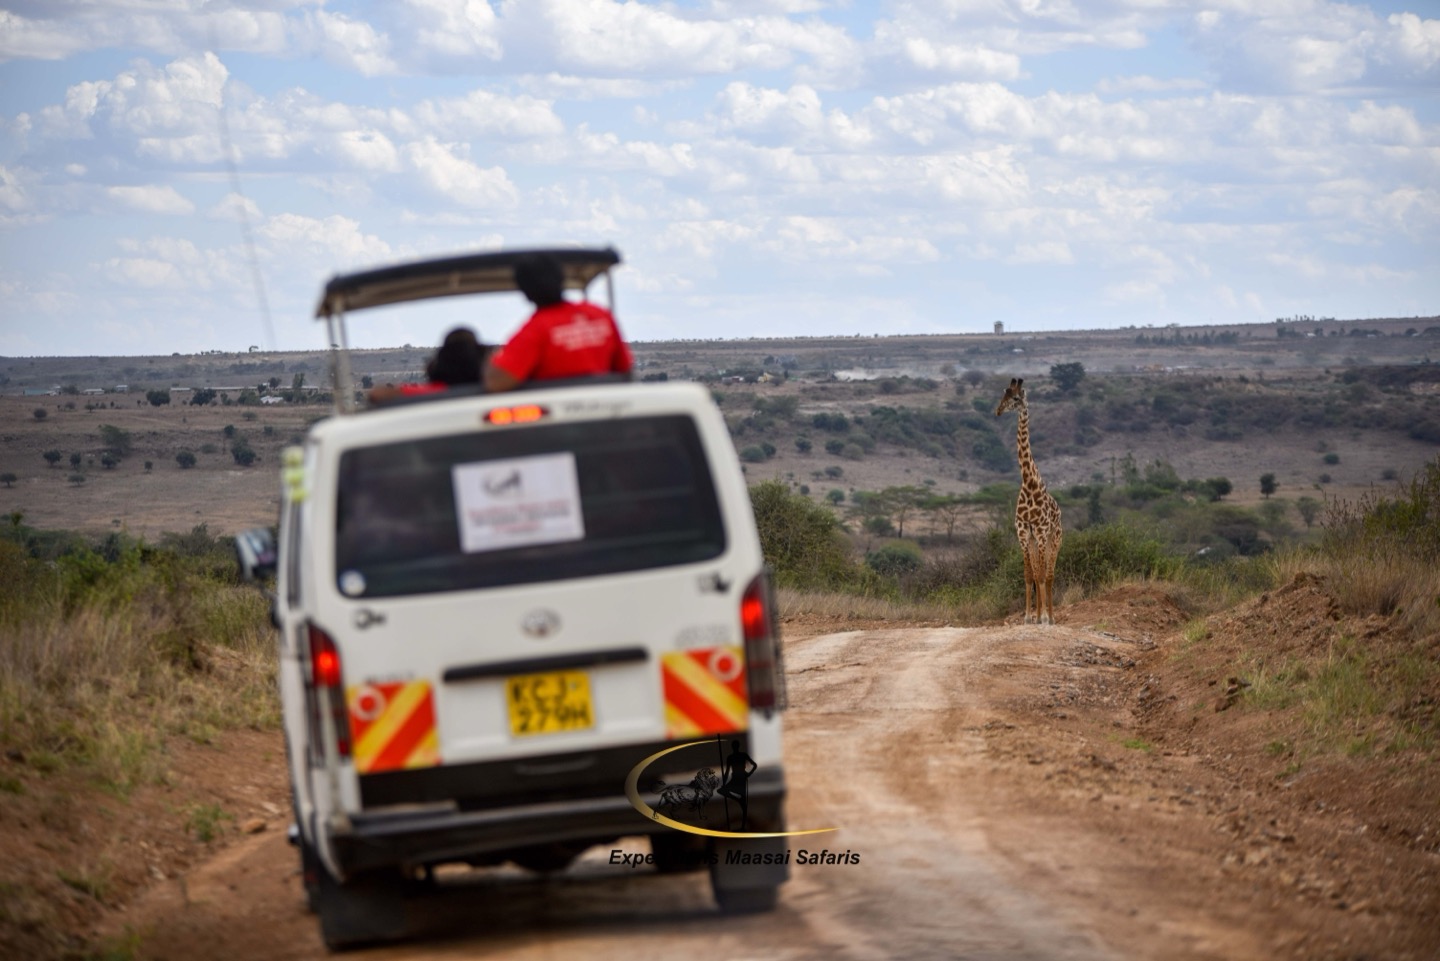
point(480, 273)
point(483, 273)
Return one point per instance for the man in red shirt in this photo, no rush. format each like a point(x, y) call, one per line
point(561, 339)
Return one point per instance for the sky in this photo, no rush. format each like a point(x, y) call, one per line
point(185, 175)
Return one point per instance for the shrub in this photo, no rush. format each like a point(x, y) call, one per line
point(895, 560)
point(243, 453)
point(115, 439)
point(157, 398)
point(40, 413)
point(76, 478)
point(834, 471)
point(835, 495)
point(1106, 553)
point(53, 457)
point(834, 447)
point(75, 459)
point(753, 455)
point(186, 459)
point(8, 479)
point(109, 460)
point(803, 445)
point(801, 540)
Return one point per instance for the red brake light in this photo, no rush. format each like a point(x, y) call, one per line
point(753, 621)
point(763, 671)
point(327, 693)
point(519, 414)
point(324, 659)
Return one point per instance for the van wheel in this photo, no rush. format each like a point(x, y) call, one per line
point(675, 852)
point(310, 871)
point(747, 900)
point(366, 908)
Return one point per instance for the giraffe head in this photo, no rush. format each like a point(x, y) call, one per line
point(1014, 398)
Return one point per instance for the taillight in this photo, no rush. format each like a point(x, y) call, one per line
point(327, 691)
point(763, 669)
point(519, 414)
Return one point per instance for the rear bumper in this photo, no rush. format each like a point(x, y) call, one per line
point(430, 836)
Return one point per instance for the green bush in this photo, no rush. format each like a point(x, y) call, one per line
point(895, 560)
point(801, 540)
point(1107, 553)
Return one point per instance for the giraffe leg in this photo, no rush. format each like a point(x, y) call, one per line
point(1042, 593)
point(1051, 557)
point(1029, 579)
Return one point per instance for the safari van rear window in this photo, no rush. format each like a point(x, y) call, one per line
point(490, 508)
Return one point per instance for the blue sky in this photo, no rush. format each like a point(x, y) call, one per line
point(766, 167)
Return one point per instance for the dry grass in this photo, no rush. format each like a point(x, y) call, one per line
point(98, 674)
point(854, 607)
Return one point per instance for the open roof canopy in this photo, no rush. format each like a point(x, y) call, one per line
point(486, 273)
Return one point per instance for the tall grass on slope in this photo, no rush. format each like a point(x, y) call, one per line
point(1381, 555)
point(101, 658)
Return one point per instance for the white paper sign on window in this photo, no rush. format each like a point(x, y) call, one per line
point(518, 502)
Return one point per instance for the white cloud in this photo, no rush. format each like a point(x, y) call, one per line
point(1317, 45)
point(1143, 83)
point(349, 43)
point(457, 28)
point(454, 177)
point(487, 115)
point(152, 199)
point(235, 207)
point(335, 241)
point(367, 150)
point(1042, 252)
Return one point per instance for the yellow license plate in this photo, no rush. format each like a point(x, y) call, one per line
point(549, 703)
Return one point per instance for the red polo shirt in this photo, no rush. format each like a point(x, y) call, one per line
point(565, 340)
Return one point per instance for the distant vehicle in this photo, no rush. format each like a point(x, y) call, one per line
point(484, 604)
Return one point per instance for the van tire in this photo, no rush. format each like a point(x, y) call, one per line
point(310, 871)
point(676, 853)
point(364, 909)
point(747, 900)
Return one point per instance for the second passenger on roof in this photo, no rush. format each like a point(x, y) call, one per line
point(561, 339)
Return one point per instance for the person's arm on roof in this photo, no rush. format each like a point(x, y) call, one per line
point(515, 363)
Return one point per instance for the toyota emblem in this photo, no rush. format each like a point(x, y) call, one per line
point(541, 623)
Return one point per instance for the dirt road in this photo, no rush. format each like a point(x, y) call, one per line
point(983, 777)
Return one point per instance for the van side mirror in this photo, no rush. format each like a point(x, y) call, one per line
point(255, 552)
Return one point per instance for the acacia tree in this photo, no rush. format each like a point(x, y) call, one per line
point(1268, 485)
point(1067, 376)
point(53, 457)
point(948, 508)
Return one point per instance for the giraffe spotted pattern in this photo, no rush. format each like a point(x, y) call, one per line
point(1037, 516)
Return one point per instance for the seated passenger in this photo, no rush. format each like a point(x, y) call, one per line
point(460, 360)
point(561, 339)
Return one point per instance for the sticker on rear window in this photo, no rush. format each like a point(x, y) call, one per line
point(518, 502)
point(352, 583)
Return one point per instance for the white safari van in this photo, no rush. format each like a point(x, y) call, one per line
point(493, 607)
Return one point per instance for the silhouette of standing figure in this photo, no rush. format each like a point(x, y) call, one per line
point(736, 774)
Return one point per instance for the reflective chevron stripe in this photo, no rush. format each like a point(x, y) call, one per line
point(393, 726)
point(705, 691)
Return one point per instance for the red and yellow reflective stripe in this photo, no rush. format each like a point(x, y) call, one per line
point(392, 726)
point(705, 691)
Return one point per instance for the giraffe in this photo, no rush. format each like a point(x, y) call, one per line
point(1037, 516)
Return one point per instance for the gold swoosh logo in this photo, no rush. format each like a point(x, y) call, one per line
point(632, 791)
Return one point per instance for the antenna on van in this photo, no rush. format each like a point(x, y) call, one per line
point(245, 233)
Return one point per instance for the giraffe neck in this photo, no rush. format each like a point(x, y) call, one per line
point(1029, 473)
